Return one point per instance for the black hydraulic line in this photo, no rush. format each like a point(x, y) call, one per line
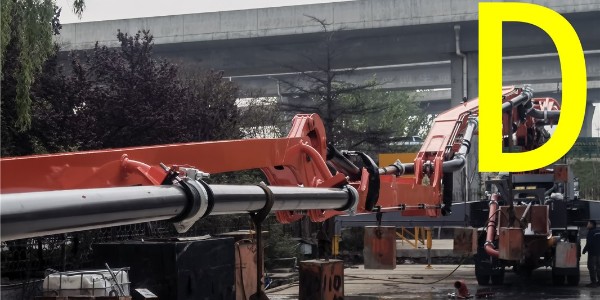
point(550, 117)
point(398, 169)
point(25, 215)
point(341, 163)
point(453, 165)
point(549, 191)
point(526, 95)
point(374, 180)
point(409, 168)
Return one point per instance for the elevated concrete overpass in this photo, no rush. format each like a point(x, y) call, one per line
point(536, 69)
point(409, 44)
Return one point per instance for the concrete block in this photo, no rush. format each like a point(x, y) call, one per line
point(465, 240)
point(511, 243)
point(380, 247)
point(321, 280)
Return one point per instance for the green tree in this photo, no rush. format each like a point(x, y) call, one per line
point(118, 97)
point(29, 25)
point(357, 116)
point(588, 172)
point(388, 116)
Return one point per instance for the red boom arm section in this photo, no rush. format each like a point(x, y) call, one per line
point(300, 159)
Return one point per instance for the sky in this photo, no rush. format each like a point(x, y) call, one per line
point(98, 10)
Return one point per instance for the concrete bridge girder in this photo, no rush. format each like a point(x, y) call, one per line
point(435, 75)
point(385, 32)
point(396, 33)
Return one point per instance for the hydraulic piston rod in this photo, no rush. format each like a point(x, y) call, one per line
point(25, 215)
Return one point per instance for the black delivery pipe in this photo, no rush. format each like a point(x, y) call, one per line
point(341, 163)
point(25, 215)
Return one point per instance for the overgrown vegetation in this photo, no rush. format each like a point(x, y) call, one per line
point(117, 97)
point(356, 115)
point(588, 172)
point(26, 30)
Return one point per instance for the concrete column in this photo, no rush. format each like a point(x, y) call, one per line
point(321, 279)
point(472, 75)
point(456, 80)
point(586, 129)
point(458, 194)
point(456, 65)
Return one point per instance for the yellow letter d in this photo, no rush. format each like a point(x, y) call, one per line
point(572, 64)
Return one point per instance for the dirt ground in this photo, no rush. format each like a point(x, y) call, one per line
point(417, 282)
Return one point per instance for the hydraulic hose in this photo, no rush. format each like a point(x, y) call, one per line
point(341, 163)
point(526, 95)
point(398, 169)
point(550, 117)
point(491, 227)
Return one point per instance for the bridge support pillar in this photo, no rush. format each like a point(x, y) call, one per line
point(457, 77)
point(463, 190)
point(586, 129)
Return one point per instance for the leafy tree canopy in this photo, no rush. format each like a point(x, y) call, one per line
point(118, 97)
point(28, 25)
point(356, 115)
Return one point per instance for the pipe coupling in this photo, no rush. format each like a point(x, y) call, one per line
point(198, 204)
point(353, 197)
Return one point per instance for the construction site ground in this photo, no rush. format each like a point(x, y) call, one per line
point(411, 280)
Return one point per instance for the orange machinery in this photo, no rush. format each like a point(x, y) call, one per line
point(58, 193)
point(47, 194)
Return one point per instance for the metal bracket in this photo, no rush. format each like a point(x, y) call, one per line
point(257, 218)
point(198, 195)
point(353, 200)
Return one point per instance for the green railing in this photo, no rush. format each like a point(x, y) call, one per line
point(585, 147)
